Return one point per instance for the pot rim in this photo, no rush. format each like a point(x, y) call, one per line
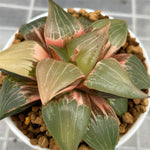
point(123, 138)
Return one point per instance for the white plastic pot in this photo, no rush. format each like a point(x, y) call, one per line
point(122, 140)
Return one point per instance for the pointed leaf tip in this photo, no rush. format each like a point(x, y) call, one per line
point(60, 26)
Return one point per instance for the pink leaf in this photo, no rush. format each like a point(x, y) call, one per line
point(60, 26)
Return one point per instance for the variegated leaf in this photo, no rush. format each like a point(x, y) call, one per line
point(67, 122)
point(117, 33)
point(55, 77)
point(120, 105)
point(20, 59)
point(16, 95)
point(135, 69)
point(103, 130)
point(87, 49)
point(59, 53)
point(60, 26)
point(108, 76)
point(34, 30)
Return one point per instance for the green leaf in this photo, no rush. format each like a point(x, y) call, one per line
point(85, 22)
point(108, 76)
point(135, 69)
point(81, 87)
point(55, 77)
point(60, 26)
point(102, 133)
point(16, 95)
point(86, 49)
point(120, 105)
point(59, 53)
point(67, 122)
point(103, 130)
point(117, 33)
point(21, 59)
point(34, 30)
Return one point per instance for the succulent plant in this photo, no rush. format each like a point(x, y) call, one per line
point(75, 71)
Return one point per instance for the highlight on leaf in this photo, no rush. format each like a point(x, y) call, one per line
point(86, 49)
point(108, 76)
point(60, 26)
point(66, 121)
point(17, 95)
point(117, 33)
point(103, 129)
point(20, 59)
point(55, 77)
point(34, 30)
point(135, 70)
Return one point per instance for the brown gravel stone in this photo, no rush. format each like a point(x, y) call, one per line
point(34, 141)
point(93, 16)
point(35, 108)
point(30, 135)
point(38, 120)
point(16, 41)
point(33, 117)
point(125, 46)
point(76, 15)
point(144, 102)
point(122, 128)
point(27, 121)
point(83, 147)
point(48, 134)
point(136, 50)
point(43, 142)
point(21, 117)
point(140, 108)
point(131, 40)
point(137, 101)
point(15, 118)
point(71, 11)
point(19, 36)
point(43, 128)
point(134, 112)
point(53, 145)
point(25, 132)
point(40, 113)
point(83, 12)
point(98, 12)
point(128, 118)
point(39, 135)
point(130, 103)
